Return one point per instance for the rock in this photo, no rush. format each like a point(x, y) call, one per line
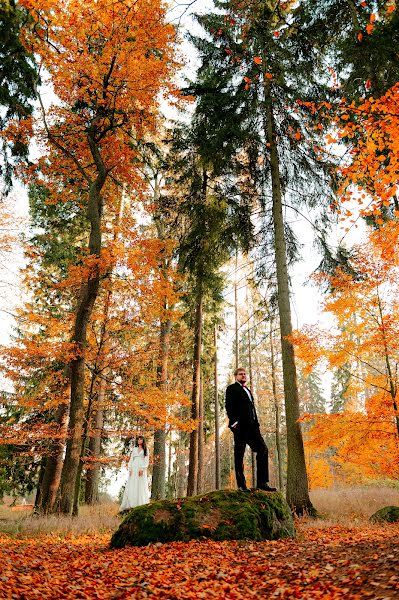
point(388, 514)
point(220, 515)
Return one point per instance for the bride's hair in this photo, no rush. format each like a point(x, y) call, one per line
point(140, 437)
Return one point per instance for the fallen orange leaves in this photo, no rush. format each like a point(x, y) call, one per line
point(334, 562)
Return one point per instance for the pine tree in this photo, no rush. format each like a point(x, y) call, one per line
point(259, 69)
point(212, 226)
point(350, 41)
point(18, 80)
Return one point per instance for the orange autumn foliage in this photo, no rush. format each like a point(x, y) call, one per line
point(374, 162)
point(107, 65)
point(123, 342)
point(333, 562)
point(363, 438)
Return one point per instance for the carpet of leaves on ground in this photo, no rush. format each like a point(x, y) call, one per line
point(324, 562)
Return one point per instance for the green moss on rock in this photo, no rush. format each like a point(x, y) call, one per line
point(388, 514)
point(220, 515)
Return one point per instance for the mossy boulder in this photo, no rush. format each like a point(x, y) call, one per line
point(220, 515)
point(388, 514)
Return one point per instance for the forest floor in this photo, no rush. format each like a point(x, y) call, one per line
point(345, 557)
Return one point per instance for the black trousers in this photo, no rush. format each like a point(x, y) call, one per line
point(255, 441)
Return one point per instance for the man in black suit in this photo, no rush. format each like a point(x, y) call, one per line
point(244, 424)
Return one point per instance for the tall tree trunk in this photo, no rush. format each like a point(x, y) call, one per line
point(391, 380)
point(252, 383)
point(297, 480)
point(276, 408)
point(54, 462)
point(83, 449)
point(88, 294)
point(193, 455)
point(236, 327)
point(181, 466)
point(159, 468)
point(94, 447)
point(39, 488)
point(170, 456)
point(201, 441)
point(217, 414)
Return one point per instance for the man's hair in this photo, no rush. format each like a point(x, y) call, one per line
point(238, 370)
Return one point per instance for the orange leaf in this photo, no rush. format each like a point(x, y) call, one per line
point(269, 75)
point(258, 60)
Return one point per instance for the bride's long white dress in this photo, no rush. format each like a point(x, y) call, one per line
point(136, 490)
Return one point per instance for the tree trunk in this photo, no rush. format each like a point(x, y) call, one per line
point(236, 327)
point(391, 381)
point(170, 457)
point(193, 460)
point(39, 488)
point(159, 465)
point(297, 480)
point(94, 448)
point(201, 441)
point(181, 466)
point(252, 383)
point(159, 468)
point(217, 415)
point(88, 294)
point(94, 444)
point(276, 408)
point(54, 462)
point(92, 494)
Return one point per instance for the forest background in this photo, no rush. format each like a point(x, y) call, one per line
point(157, 252)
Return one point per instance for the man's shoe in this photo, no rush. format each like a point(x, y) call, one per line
point(243, 489)
point(266, 488)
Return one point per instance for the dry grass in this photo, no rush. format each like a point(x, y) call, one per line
point(349, 505)
point(92, 519)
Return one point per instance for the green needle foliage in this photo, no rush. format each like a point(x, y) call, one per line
point(262, 71)
point(18, 79)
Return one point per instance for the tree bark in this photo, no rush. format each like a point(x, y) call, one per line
point(94, 445)
point(170, 456)
point(252, 383)
point(276, 408)
point(391, 381)
point(181, 466)
point(297, 480)
point(217, 414)
point(88, 294)
point(159, 468)
point(83, 449)
point(38, 495)
point(54, 462)
point(236, 327)
point(193, 455)
point(201, 441)
point(94, 448)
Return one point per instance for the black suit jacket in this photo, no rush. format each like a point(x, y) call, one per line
point(240, 408)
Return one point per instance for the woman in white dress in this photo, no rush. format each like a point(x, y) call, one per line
point(136, 490)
